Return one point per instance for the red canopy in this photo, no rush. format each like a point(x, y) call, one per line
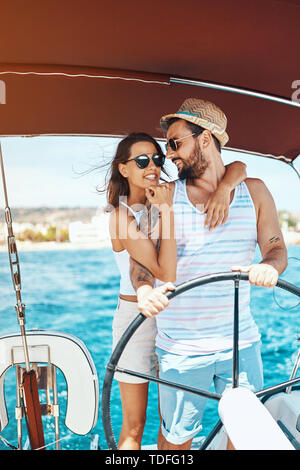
point(108, 68)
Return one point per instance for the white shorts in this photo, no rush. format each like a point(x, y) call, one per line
point(139, 353)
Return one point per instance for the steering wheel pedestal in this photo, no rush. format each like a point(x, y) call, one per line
point(112, 366)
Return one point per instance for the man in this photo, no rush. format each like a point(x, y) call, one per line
point(194, 340)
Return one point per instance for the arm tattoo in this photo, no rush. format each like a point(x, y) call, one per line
point(149, 226)
point(149, 223)
point(140, 275)
point(274, 239)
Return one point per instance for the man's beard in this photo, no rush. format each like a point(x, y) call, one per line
point(196, 165)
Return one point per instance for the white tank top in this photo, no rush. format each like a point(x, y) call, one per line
point(200, 321)
point(122, 260)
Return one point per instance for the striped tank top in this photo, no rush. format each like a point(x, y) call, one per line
point(200, 321)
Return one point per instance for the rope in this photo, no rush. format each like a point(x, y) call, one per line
point(85, 75)
point(7, 444)
point(54, 442)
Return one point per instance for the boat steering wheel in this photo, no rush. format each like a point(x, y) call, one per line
point(112, 365)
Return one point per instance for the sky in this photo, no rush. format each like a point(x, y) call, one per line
point(54, 171)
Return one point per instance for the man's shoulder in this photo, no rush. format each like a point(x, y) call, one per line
point(256, 187)
point(259, 192)
point(256, 183)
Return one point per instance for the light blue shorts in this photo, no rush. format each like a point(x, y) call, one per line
point(182, 411)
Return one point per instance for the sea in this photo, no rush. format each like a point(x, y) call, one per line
point(76, 292)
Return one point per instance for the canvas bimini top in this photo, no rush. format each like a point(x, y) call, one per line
point(101, 68)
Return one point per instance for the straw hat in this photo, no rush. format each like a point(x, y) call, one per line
point(204, 114)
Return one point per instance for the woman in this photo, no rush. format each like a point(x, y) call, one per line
point(134, 191)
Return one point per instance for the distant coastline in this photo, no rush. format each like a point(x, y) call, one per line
point(291, 238)
point(87, 228)
point(51, 246)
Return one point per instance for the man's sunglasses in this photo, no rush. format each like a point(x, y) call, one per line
point(143, 161)
point(173, 142)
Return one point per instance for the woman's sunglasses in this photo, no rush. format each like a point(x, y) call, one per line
point(143, 161)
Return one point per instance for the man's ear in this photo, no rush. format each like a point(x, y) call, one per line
point(205, 139)
point(123, 169)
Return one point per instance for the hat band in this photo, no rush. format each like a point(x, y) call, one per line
point(210, 125)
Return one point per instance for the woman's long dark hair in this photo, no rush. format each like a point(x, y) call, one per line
point(117, 185)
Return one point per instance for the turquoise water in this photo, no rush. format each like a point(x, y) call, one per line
point(76, 292)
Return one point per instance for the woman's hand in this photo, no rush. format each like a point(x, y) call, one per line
point(160, 194)
point(151, 300)
point(217, 207)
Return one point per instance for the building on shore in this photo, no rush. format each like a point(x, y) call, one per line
point(97, 231)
